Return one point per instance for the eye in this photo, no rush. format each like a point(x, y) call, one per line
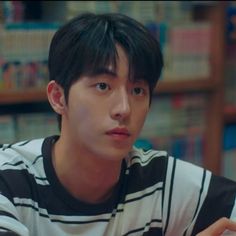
point(102, 86)
point(138, 91)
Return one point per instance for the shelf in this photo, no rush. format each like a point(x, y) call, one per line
point(230, 114)
point(39, 95)
point(197, 85)
point(17, 101)
point(22, 96)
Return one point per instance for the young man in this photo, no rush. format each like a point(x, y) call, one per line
point(90, 180)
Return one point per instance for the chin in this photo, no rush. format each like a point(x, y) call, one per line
point(118, 154)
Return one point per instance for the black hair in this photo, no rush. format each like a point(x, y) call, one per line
point(88, 42)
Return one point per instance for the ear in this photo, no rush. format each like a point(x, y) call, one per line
point(56, 97)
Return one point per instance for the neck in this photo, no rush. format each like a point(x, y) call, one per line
point(86, 177)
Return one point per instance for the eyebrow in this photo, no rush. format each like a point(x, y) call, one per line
point(103, 71)
point(106, 71)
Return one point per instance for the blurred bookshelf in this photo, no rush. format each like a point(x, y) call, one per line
point(230, 114)
point(189, 109)
point(23, 96)
point(187, 86)
point(229, 136)
point(39, 95)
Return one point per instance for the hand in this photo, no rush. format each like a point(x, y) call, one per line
point(218, 228)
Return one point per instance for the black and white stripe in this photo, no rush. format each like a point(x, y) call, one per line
point(156, 195)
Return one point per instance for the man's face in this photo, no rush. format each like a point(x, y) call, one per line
point(106, 112)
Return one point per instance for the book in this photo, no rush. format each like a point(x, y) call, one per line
point(229, 156)
point(176, 124)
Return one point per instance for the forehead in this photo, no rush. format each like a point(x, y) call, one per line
point(118, 67)
point(122, 64)
point(121, 55)
point(119, 63)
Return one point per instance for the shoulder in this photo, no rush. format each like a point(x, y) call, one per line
point(147, 166)
point(143, 158)
point(24, 152)
point(160, 159)
point(21, 164)
point(172, 169)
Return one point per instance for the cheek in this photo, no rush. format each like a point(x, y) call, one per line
point(141, 115)
point(84, 115)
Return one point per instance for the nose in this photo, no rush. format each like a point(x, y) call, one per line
point(120, 109)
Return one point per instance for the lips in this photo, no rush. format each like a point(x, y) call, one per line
point(119, 132)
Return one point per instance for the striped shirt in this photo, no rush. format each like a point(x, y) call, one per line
point(156, 195)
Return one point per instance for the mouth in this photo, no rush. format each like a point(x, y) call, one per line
point(119, 133)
